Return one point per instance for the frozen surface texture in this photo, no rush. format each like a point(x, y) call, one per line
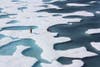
point(49, 33)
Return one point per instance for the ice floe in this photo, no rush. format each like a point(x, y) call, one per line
point(93, 31)
point(75, 63)
point(77, 53)
point(96, 45)
point(77, 4)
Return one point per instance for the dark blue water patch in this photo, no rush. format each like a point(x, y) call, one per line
point(64, 2)
point(19, 28)
point(22, 8)
point(94, 19)
point(68, 9)
point(57, 15)
point(74, 1)
point(85, 19)
point(86, 23)
point(44, 6)
point(92, 61)
point(76, 32)
point(64, 60)
point(81, 1)
point(54, 10)
point(76, 16)
point(66, 29)
point(12, 22)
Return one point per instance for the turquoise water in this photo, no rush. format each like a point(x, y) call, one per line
point(1, 36)
point(9, 49)
point(46, 0)
point(6, 15)
point(19, 28)
point(12, 22)
point(34, 51)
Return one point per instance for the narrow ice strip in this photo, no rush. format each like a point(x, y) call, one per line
point(17, 60)
point(53, 64)
point(73, 19)
point(93, 31)
point(75, 63)
point(98, 12)
point(92, 2)
point(52, 6)
point(79, 13)
point(51, 1)
point(62, 39)
point(77, 4)
point(96, 45)
point(76, 53)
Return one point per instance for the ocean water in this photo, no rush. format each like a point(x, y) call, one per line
point(38, 17)
point(76, 31)
point(1, 36)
